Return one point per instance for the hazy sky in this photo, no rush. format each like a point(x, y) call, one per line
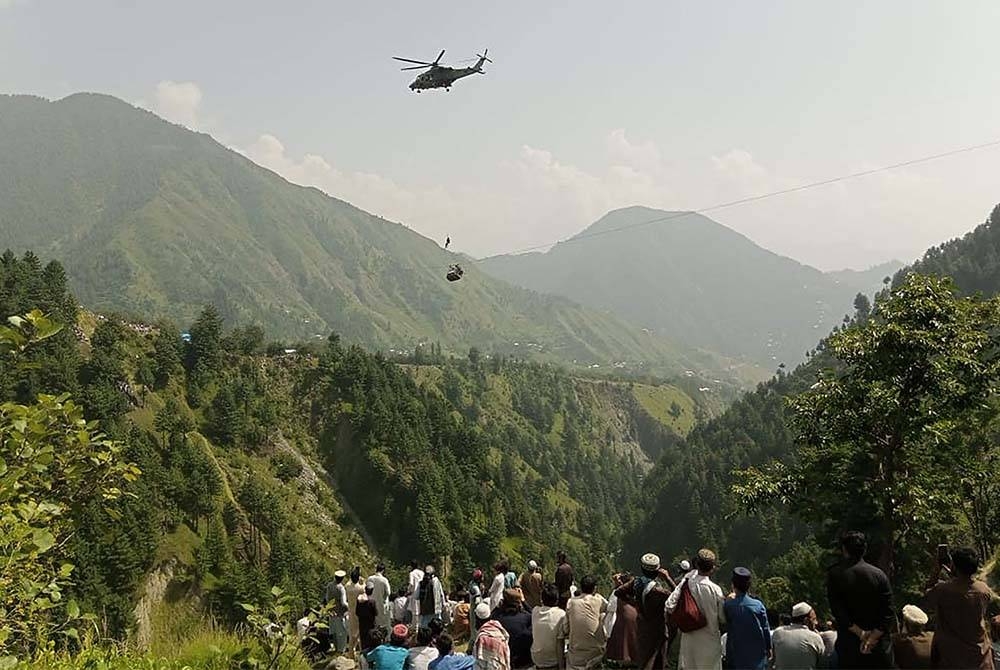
point(589, 106)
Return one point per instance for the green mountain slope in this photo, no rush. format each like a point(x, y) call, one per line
point(690, 279)
point(156, 220)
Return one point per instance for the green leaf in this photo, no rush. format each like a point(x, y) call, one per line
point(43, 540)
point(72, 609)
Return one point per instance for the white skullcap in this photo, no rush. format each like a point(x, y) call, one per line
point(650, 562)
point(685, 565)
point(915, 615)
point(483, 611)
point(532, 565)
point(801, 609)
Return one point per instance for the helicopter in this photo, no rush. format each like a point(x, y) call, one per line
point(441, 76)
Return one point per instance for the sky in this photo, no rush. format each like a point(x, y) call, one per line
point(589, 106)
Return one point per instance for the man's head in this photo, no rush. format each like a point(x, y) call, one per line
point(399, 634)
point(356, 574)
point(650, 565)
point(424, 637)
point(706, 561)
point(414, 564)
point(914, 620)
point(445, 644)
point(369, 589)
point(560, 557)
point(339, 576)
point(965, 562)
point(588, 584)
point(501, 567)
point(854, 545)
point(429, 571)
point(380, 568)
point(532, 566)
point(685, 566)
point(550, 595)
point(436, 627)
point(483, 612)
point(741, 580)
point(512, 599)
point(477, 575)
point(804, 615)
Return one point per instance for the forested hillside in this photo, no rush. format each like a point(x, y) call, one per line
point(973, 261)
point(228, 503)
point(758, 428)
point(690, 279)
point(271, 464)
point(156, 221)
point(473, 459)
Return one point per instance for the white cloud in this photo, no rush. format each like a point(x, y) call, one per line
point(369, 191)
point(179, 102)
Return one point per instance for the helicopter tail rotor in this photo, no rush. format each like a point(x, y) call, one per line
point(482, 59)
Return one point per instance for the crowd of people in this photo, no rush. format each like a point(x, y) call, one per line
point(657, 617)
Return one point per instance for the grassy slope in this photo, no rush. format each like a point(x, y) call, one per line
point(669, 405)
point(156, 220)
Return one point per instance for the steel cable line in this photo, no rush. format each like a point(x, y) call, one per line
point(762, 196)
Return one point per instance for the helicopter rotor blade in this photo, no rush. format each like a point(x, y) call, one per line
point(438, 59)
point(410, 60)
point(416, 67)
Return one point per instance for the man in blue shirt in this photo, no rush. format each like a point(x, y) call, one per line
point(748, 639)
point(447, 659)
point(391, 656)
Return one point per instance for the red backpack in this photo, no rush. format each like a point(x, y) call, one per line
point(687, 616)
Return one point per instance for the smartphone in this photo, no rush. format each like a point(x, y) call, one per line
point(943, 556)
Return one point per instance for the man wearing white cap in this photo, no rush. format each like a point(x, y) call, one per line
point(912, 648)
point(336, 598)
point(490, 650)
point(798, 646)
point(531, 585)
point(650, 598)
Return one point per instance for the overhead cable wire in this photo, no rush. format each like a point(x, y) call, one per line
point(763, 196)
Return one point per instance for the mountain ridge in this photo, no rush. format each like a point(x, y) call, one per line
point(154, 219)
point(689, 278)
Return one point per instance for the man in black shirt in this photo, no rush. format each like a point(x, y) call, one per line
point(861, 599)
point(517, 622)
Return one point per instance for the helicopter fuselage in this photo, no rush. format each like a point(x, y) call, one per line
point(441, 77)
